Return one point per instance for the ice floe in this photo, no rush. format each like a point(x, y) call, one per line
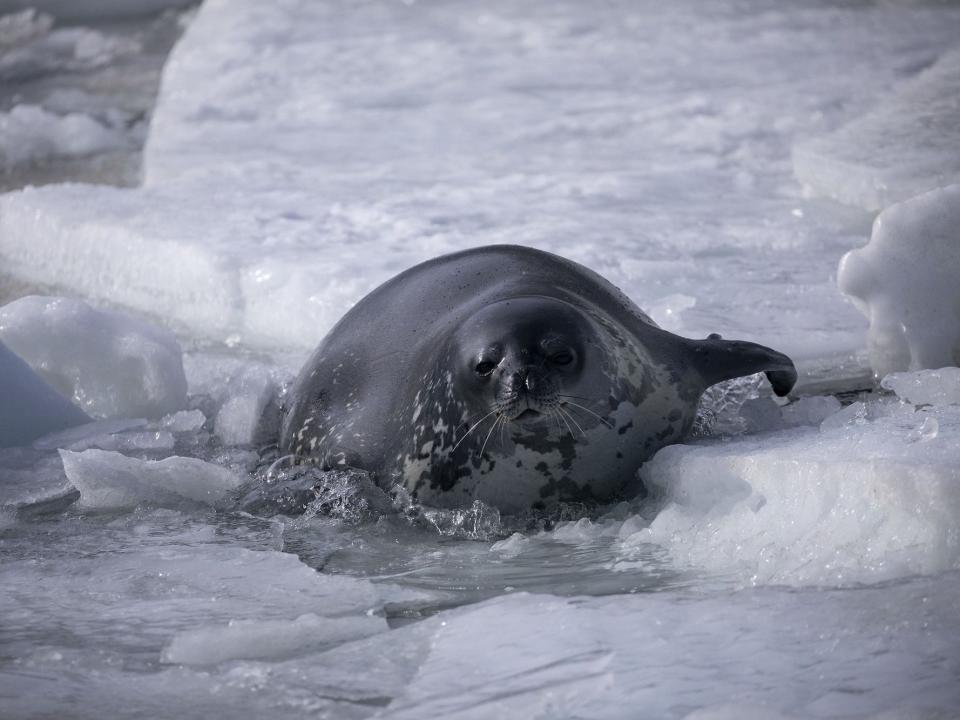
point(905, 282)
point(108, 479)
point(110, 364)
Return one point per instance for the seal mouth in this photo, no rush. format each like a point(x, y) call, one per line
point(528, 414)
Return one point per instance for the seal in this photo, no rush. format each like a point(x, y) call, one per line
point(507, 375)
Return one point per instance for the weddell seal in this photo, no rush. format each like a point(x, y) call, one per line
point(508, 375)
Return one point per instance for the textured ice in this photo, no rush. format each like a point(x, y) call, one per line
point(30, 407)
point(273, 639)
point(28, 46)
point(110, 364)
point(294, 165)
point(905, 282)
point(908, 144)
point(926, 387)
point(30, 134)
point(871, 495)
point(110, 480)
point(659, 656)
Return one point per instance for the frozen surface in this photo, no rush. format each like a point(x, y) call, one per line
point(908, 144)
point(108, 480)
point(30, 408)
point(905, 282)
point(292, 166)
point(109, 363)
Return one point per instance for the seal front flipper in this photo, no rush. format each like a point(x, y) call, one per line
point(717, 360)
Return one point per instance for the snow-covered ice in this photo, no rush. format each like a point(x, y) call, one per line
point(791, 561)
point(905, 282)
point(110, 364)
point(908, 144)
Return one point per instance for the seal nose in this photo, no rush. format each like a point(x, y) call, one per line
point(530, 382)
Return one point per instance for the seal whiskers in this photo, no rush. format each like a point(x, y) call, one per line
point(577, 405)
point(476, 425)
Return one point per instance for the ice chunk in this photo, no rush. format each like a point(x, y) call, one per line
point(183, 421)
point(267, 638)
point(905, 282)
point(110, 480)
point(909, 144)
point(30, 408)
point(112, 365)
point(926, 387)
point(33, 483)
point(29, 134)
point(251, 413)
point(809, 410)
point(873, 494)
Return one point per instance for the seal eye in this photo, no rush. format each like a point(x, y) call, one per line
point(484, 368)
point(562, 358)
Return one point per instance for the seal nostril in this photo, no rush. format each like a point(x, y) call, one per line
point(530, 383)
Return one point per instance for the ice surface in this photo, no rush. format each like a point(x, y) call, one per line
point(654, 655)
point(30, 407)
point(28, 46)
point(29, 133)
point(873, 494)
point(926, 387)
point(905, 282)
point(110, 364)
point(267, 638)
point(908, 144)
point(110, 480)
point(294, 165)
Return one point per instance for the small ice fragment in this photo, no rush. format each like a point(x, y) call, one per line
point(267, 639)
point(853, 414)
point(511, 546)
point(928, 430)
point(809, 410)
point(926, 387)
point(251, 414)
point(905, 281)
point(183, 421)
point(110, 364)
point(110, 480)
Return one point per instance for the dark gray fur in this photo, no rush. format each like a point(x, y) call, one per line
point(398, 382)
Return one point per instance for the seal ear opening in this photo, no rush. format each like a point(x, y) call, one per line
point(717, 360)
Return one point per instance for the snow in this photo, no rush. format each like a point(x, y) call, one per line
point(870, 495)
point(790, 561)
point(110, 364)
point(909, 144)
point(905, 282)
point(30, 133)
point(108, 480)
point(30, 407)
